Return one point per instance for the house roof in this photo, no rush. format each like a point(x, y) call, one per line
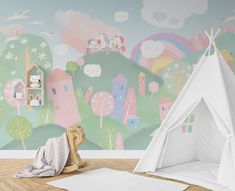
point(19, 82)
point(120, 78)
point(35, 66)
point(58, 75)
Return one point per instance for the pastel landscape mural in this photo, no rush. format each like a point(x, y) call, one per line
point(113, 67)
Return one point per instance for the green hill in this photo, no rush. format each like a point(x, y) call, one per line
point(112, 64)
point(140, 139)
point(40, 135)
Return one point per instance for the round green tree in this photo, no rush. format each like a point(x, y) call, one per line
point(25, 50)
point(19, 128)
point(72, 67)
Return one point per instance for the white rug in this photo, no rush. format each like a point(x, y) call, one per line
point(197, 173)
point(105, 179)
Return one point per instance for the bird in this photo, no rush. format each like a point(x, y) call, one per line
point(47, 33)
point(37, 22)
point(18, 15)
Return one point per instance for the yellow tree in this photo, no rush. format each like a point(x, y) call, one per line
point(19, 128)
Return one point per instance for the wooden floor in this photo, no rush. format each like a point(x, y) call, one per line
point(9, 167)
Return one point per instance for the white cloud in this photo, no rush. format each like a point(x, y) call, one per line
point(121, 16)
point(151, 49)
point(171, 14)
point(61, 49)
point(92, 70)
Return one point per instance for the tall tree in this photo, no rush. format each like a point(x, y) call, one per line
point(119, 142)
point(109, 138)
point(130, 104)
point(48, 113)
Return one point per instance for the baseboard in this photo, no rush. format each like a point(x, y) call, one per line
point(87, 154)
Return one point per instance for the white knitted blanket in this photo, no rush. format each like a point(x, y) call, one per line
point(50, 159)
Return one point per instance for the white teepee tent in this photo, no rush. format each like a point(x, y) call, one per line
point(207, 102)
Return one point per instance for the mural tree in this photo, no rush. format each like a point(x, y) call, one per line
point(175, 75)
point(71, 67)
point(19, 128)
point(109, 138)
point(27, 49)
point(88, 94)
point(130, 104)
point(8, 95)
point(141, 83)
point(102, 104)
point(153, 87)
point(119, 142)
point(48, 113)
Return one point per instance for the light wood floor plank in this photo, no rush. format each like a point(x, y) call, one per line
point(8, 167)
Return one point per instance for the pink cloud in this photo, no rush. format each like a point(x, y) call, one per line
point(12, 30)
point(78, 28)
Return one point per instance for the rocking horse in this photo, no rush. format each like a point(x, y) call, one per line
point(76, 136)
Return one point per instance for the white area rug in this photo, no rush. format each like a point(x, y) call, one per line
point(197, 173)
point(105, 179)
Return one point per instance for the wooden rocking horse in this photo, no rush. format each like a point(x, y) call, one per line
point(75, 136)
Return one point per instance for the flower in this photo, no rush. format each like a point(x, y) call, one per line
point(9, 56)
point(34, 50)
point(43, 45)
point(24, 41)
point(42, 56)
point(47, 66)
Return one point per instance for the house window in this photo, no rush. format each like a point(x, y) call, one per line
point(66, 88)
point(54, 91)
point(187, 126)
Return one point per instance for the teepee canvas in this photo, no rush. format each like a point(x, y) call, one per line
point(200, 126)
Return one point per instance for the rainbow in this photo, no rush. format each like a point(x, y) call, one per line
point(175, 48)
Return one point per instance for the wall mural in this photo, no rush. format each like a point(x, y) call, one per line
point(115, 70)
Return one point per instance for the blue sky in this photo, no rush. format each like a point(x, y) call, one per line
point(134, 29)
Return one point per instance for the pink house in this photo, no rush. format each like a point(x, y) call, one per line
point(164, 107)
point(60, 90)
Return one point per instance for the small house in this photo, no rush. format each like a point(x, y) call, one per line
point(133, 121)
point(19, 90)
